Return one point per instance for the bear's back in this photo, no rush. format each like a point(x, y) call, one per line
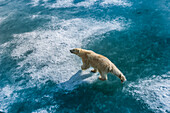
point(99, 61)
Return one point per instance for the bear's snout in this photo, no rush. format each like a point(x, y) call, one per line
point(71, 51)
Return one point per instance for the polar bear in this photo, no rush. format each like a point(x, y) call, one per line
point(99, 63)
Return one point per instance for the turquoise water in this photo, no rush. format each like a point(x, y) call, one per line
point(39, 74)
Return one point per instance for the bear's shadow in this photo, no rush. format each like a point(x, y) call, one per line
point(86, 77)
point(79, 78)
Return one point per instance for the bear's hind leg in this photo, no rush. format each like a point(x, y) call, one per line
point(103, 76)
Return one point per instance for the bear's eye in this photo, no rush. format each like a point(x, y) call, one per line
point(73, 50)
point(77, 51)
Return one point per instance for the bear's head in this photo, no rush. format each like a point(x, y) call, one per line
point(122, 78)
point(75, 51)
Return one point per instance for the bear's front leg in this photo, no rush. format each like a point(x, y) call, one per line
point(84, 67)
point(94, 70)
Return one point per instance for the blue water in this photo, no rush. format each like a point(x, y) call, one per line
point(39, 74)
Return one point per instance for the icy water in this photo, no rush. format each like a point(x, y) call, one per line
point(39, 74)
